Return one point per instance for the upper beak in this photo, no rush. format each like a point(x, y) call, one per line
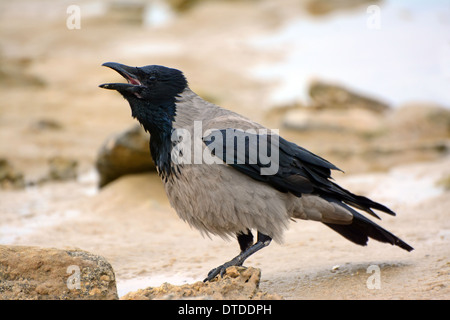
point(129, 73)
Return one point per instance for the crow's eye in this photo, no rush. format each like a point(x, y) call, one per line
point(153, 76)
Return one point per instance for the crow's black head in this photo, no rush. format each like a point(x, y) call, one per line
point(150, 83)
point(152, 92)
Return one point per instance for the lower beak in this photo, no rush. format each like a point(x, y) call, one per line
point(129, 73)
point(117, 86)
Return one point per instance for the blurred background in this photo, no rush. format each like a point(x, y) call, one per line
point(364, 84)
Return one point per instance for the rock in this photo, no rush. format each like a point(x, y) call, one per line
point(321, 7)
point(126, 12)
point(238, 283)
point(46, 125)
point(358, 121)
point(125, 153)
point(14, 72)
point(32, 273)
point(10, 178)
point(59, 169)
point(325, 95)
point(335, 268)
point(182, 5)
point(62, 169)
point(335, 108)
point(366, 134)
point(420, 120)
point(444, 183)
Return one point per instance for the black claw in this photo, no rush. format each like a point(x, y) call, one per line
point(221, 270)
point(214, 272)
point(262, 242)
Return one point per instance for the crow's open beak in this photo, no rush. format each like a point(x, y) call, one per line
point(129, 73)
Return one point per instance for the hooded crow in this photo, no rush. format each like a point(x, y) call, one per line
point(227, 175)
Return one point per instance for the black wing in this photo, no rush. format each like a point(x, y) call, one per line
point(288, 167)
point(284, 165)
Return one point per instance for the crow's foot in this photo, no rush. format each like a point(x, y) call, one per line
point(220, 270)
point(263, 241)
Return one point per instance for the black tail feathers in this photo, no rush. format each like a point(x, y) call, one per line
point(361, 229)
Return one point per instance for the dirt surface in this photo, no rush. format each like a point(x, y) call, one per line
point(131, 224)
point(238, 283)
point(51, 106)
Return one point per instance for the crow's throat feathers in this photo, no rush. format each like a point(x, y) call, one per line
point(158, 119)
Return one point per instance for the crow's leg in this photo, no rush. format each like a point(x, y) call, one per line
point(263, 241)
point(245, 240)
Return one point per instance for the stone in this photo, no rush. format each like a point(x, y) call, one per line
point(359, 121)
point(10, 178)
point(59, 169)
point(34, 273)
point(335, 108)
point(62, 169)
point(46, 125)
point(420, 120)
point(322, 7)
point(238, 283)
point(324, 95)
point(127, 152)
point(444, 183)
point(16, 72)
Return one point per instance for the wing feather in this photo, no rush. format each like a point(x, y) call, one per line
point(299, 170)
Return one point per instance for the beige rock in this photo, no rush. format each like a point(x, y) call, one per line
point(324, 95)
point(125, 153)
point(33, 273)
point(335, 108)
point(61, 169)
point(420, 120)
point(358, 121)
point(322, 7)
point(10, 178)
point(238, 283)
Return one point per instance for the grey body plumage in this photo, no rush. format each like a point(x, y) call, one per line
point(220, 200)
point(232, 198)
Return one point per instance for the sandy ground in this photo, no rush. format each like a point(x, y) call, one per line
point(130, 222)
